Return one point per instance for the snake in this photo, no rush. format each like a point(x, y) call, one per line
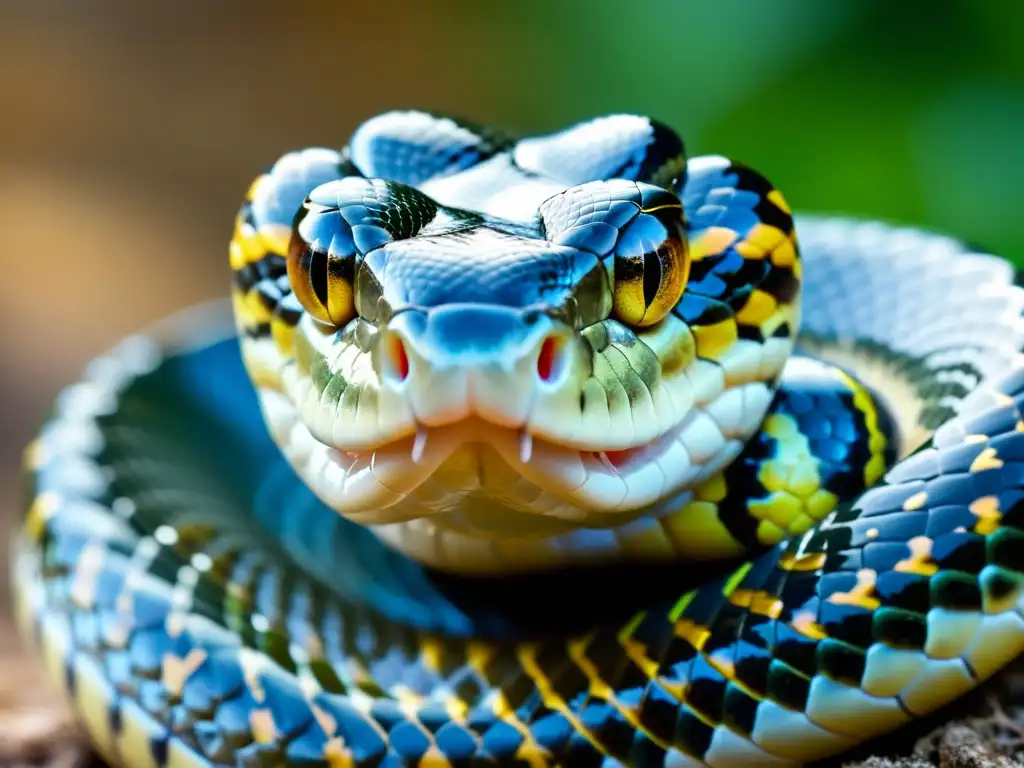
point(554, 450)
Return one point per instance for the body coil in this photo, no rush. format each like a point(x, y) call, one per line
point(431, 492)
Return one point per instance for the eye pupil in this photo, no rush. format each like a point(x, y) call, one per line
point(652, 277)
point(318, 271)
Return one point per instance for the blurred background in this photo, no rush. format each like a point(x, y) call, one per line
point(129, 131)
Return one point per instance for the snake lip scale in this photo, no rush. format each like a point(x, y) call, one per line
point(533, 457)
point(566, 450)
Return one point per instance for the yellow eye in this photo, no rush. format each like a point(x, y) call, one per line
point(652, 265)
point(322, 264)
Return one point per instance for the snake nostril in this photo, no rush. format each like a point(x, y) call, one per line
point(396, 360)
point(551, 360)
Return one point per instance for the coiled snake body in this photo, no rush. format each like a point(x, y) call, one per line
point(569, 455)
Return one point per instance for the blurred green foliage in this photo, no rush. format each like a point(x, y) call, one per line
point(909, 111)
point(912, 112)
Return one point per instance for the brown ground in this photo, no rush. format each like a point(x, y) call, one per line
point(984, 730)
point(36, 728)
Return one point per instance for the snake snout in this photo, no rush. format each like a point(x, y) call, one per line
point(465, 360)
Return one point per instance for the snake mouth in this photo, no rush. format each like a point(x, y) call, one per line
point(595, 481)
point(620, 480)
point(368, 483)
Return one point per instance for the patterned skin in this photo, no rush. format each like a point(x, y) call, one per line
point(430, 354)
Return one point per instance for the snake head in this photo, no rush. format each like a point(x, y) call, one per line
point(509, 349)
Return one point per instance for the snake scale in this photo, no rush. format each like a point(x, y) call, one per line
point(562, 450)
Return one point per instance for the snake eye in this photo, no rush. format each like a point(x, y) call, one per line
point(340, 222)
point(322, 262)
point(652, 265)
